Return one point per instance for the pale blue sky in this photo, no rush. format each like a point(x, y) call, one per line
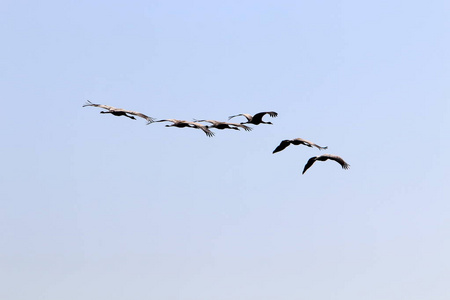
point(100, 207)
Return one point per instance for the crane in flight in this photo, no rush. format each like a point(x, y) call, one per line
point(298, 141)
point(120, 112)
point(325, 157)
point(256, 119)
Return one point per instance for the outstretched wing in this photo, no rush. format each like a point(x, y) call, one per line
point(110, 108)
point(149, 119)
point(338, 159)
point(282, 146)
point(258, 117)
point(310, 162)
point(202, 127)
point(298, 141)
point(319, 147)
point(169, 120)
point(249, 117)
point(207, 131)
point(213, 122)
point(245, 127)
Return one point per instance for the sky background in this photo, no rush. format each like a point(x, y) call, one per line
point(101, 207)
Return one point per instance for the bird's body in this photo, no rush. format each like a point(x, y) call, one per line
point(325, 157)
point(183, 123)
point(225, 125)
point(256, 119)
point(298, 141)
point(175, 123)
point(120, 112)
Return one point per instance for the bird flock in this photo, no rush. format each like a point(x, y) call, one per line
point(256, 119)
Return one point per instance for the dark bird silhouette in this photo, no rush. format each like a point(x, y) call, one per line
point(325, 157)
point(120, 112)
point(297, 141)
point(183, 123)
point(225, 125)
point(256, 119)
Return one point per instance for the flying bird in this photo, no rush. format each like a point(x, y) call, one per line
point(120, 112)
point(225, 125)
point(297, 141)
point(256, 119)
point(183, 123)
point(325, 157)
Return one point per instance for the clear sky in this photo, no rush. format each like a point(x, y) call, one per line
point(101, 207)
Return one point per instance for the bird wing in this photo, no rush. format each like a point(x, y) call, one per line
point(214, 122)
point(245, 127)
point(259, 116)
point(110, 108)
point(202, 127)
point(270, 113)
point(169, 120)
point(298, 141)
point(249, 117)
point(282, 146)
point(338, 159)
point(310, 162)
point(319, 147)
point(149, 119)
